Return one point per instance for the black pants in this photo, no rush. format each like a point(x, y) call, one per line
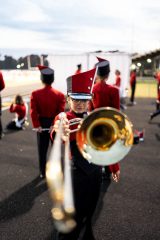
point(12, 126)
point(155, 114)
point(43, 140)
point(157, 105)
point(133, 88)
point(106, 173)
point(86, 193)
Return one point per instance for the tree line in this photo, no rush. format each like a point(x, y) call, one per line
point(27, 62)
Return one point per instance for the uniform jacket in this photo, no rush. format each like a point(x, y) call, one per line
point(132, 78)
point(118, 81)
point(20, 110)
point(104, 95)
point(2, 84)
point(77, 71)
point(46, 103)
point(158, 97)
point(81, 162)
point(157, 76)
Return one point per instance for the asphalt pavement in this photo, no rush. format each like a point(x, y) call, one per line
point(128, 210)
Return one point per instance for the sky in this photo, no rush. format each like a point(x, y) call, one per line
point(78, 26)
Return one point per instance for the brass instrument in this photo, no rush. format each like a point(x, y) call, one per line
point(60, 184)
point(104, 137)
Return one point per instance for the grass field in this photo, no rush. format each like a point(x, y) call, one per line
point(146, 89)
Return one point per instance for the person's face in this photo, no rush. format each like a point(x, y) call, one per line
point(117, 73)
point(77, 105)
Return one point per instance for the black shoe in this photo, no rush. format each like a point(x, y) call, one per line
point(150, 118)
point(88, 235)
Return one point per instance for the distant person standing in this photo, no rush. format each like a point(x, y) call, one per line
point(117, 84)
point(2, 86)
point(118, 78)
point(20, 108)
point(46, 103)
point(157, 77)
point(79, 69)
point(157, 112)
point(133, 86)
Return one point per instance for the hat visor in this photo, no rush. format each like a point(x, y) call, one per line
point(81, 96)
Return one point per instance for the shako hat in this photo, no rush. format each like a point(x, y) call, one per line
point(79, 65)
point(79, 86)
point(103, 67)
point(47, 74)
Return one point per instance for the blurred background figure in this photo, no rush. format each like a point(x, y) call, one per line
point(20, 108)
point(79, 69)
point(154, 114)
point(118, 85)
point(157, 77)
point(46, 103)
point(133, 86)
point(157, 112)
point(2, 86)
point(118, 78)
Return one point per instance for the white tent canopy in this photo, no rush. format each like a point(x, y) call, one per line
point(66, 65)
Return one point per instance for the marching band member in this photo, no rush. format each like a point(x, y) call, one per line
point(46, 103)
point(79, 69)
point(117, 84)
point(20, 109)
point(2, 86)
point(157, 112)
point(105, 95)
point(133, 86)
point(86, 176)
point(118, 78)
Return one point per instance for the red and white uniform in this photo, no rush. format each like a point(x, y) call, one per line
point(2, 86)
point(132, 78)
point(118, 81)
point(2, 83)
point(20, 110)
point(78, 71)
point(105, 95)
point(46, 102)
point(158, 85)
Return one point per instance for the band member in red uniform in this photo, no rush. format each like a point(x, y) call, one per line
point(118, 78)
point(46, 103)
point(117, 84)
point(157, 77)
point(20, 109)
point(86, 176)
point(157, 112)
point(2, 86)
point(79, 68)
point(133, 86)
point(105, 95)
